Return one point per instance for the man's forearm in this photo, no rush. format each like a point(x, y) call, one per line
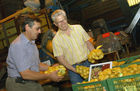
point(43, 67)
point(65, 63)
point(90, 46)
point(32, 75)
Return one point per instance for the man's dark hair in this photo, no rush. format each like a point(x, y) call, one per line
point(28, 18)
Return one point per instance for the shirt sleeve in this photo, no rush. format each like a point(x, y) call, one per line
point(85, 35)
point(57, 49)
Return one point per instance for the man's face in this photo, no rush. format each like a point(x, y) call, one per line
point(61, 22)
point(34, 31)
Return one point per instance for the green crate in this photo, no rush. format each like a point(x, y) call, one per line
point(119, 84)
point(114, 84)
point(125, 65)
point(129, 59)
point(98, 86)
point(127, 83)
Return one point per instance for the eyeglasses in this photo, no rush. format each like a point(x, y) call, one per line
point(61, 21)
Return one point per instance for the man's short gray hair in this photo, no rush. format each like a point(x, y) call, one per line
point(57, 13)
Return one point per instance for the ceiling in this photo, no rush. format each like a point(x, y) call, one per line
point(8, 7)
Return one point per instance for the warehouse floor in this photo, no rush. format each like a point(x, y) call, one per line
point(133, 52)
point(67, 85)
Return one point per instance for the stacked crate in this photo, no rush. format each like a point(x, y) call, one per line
point(122, 83)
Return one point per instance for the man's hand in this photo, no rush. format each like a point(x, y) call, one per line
point(54, 77)
point(55, 65)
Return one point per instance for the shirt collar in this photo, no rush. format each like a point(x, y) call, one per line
point(26, 40)
point(62, 32)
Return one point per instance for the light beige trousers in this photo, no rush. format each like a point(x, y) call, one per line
point(11, 85)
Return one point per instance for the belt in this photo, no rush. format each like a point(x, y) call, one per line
point(21, 80)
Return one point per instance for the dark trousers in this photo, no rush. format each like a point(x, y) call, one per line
point(12, 85)
point(74, 77)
